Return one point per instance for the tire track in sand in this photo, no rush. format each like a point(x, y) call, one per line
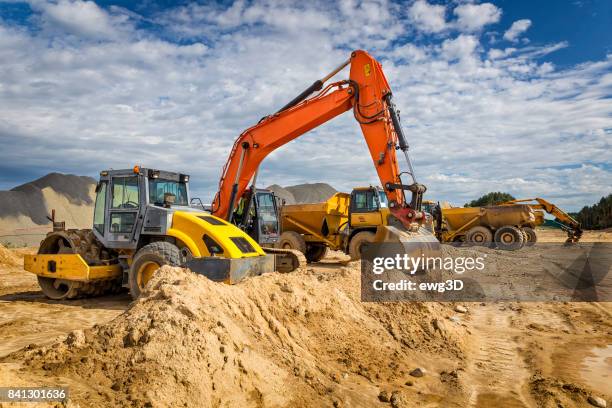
point(497, 372)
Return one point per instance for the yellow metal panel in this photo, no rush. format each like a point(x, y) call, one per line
point(192, 228)
point(68, 266)
point(187, 240)
point(366, 219)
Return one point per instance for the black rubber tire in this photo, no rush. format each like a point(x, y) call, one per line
point(356, 242)
point(315, 252)
point(509, 238)
point(479, 235)
point(292, 240)
point(532, 237)
point(161, 253)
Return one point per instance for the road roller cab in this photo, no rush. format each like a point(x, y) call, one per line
point(142, 220)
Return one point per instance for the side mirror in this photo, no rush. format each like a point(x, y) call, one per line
point(98, 186)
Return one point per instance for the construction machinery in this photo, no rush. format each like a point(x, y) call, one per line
point(342, 223)
point(368, 95)
point(508, 227)
point(142, 219)
point(566, 222)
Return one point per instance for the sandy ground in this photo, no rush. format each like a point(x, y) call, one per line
point(303, 339)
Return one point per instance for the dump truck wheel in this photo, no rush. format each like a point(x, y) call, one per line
point(292, 240)
point(532, 237)
point(149, 259)
point(479, 235)
point(315, 252)
point(509, 238)
point(357, 241)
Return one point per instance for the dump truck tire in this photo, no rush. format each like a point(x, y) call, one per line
point(357, 241)
point(479, 236)
point(149, 259)
point(509, 238)
point(532, 237)
point(315, 252)
point(292, 240)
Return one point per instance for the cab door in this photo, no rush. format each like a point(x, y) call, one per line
point(365, 209)
point(124, 208)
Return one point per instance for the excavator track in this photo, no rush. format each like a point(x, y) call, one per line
point(82, 242)
point(287, 260)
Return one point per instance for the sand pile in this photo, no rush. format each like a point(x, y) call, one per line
point(303, 193)
point(281, 192)
point(276, 340)
point(24, 209)
point(7, 258)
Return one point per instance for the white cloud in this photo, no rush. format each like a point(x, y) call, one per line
point(427, 17)
point(473, 17)
point(461, 47)
point(516, 29)
point(508, 120)
point(83, 18)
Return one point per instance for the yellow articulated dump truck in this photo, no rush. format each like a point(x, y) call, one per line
point(342, 223)
point(508, 227)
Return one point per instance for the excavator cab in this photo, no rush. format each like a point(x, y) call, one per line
point(262, 222)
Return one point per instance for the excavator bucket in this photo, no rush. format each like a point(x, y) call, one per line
point(391, 240)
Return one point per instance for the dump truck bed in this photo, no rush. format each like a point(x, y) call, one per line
point(319, 221)
point(493, 216)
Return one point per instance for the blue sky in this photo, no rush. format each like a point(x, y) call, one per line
point(498, 95)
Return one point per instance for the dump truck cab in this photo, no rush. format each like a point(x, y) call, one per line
point(369, 209)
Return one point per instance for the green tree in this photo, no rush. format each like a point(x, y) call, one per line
point(491, 198)
point(597, 216)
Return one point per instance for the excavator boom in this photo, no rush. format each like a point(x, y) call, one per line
point(367, 92)
point(568, 223)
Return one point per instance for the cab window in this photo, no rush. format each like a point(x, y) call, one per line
point(99, 208)
point(364, 201)
point(383, 199)
point(125, 193)
point(158, 188)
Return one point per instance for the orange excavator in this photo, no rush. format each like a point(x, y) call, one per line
point(368, 95)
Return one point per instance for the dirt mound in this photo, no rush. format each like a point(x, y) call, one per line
point(300, 339)
point(303, 193)
point(282, 193)
point(311, 193)
point(7, 258)
point(28, 199)
point(24, 209)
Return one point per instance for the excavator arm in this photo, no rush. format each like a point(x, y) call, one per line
point(568, 223)
point(368, 94)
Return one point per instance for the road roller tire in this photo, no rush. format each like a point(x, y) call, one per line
point(315, 252)
point(509, 238)
point(292, 240)
point(58, 289)
point(357, 241)
point(479, 236)
point(149, 259)
point(80, 242)
point(532, 237)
